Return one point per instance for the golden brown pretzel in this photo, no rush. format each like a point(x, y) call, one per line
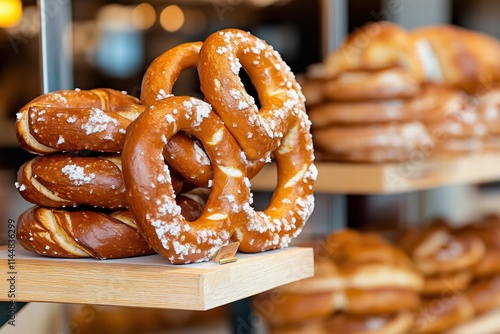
point(364, 112)
point(60, 180)
point(75, 120)
point(343, 323)
point(91, 233)
point(161, 74)
point(182, 153)
point(292, 202)
point(384, 84)
point(258, 131)
point(152, 199)
point(375, 142)
point(436, 315)
point(83, 233)
point(228, 208)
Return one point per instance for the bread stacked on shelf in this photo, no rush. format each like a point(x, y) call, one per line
point(76, 181)
point(369, 117)
point(447, 262)
point(89, 319)
point(462, 288)
point(388, 94)
point(102, 150)
point(487, 103)
point(453, 120)
point(362, 284)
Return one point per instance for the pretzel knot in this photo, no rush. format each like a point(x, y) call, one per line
point(184, 154)
point(258, 131)
point(228, 212)
point(152, 199)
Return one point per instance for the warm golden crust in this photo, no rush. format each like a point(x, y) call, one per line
point(343, 323)
point(186, 155)
point(228, 212)
point(82, 233)
point(447, 54)
point(468, 59)
point(342, 140)
point(380, 301)
point(283, 309)
point(488, 230)
point(459, 253)
point(152, 199)
point(484, 294)
point(383, 84)
point(374, 46)
point(449, 114)
point(75, 120)
point(442, 313)
point(445, 284)
point(162, 73)
point(488, 106)
point(363, 112)
point(60, 180)
point(257, 131)
point(292, 202)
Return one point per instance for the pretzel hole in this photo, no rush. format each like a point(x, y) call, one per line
point(249, 87)
point(262, 199)
point(187, 84)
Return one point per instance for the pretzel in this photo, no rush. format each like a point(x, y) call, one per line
point(83, 233)
point(447, 283)
point(92, 233)
point(484, 294)
point(151, 194)
point(76, 120)
point(375, 143)
point(228, 209)
point(383, 84)
point(459, 253)
point(343, 323)
point(257, 131)
point(292, 202)
point(364, 112)
point(61, 180)
point(161, 74)
point(436, 315)
point(184, 154)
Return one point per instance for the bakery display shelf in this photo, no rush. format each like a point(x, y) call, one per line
point(391, 178)
point(149, 281)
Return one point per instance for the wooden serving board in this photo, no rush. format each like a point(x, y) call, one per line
point(150, 281)
point(390, 178)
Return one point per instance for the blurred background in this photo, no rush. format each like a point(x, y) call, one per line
point(113, 42)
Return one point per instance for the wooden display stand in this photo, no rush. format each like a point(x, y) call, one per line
point(391, 178)
point(149, 281)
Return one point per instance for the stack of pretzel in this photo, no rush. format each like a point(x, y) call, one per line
point(141, 155)
point(462, 283)
point(487, 103)
point(78, 136)
point(446, 260)
point(362, 284)
point(387, 93)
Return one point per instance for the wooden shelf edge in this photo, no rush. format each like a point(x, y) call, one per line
point(150, 281)
point(392, 178)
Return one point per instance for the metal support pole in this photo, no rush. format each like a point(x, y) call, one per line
point(56, 44)
point(334, 20)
